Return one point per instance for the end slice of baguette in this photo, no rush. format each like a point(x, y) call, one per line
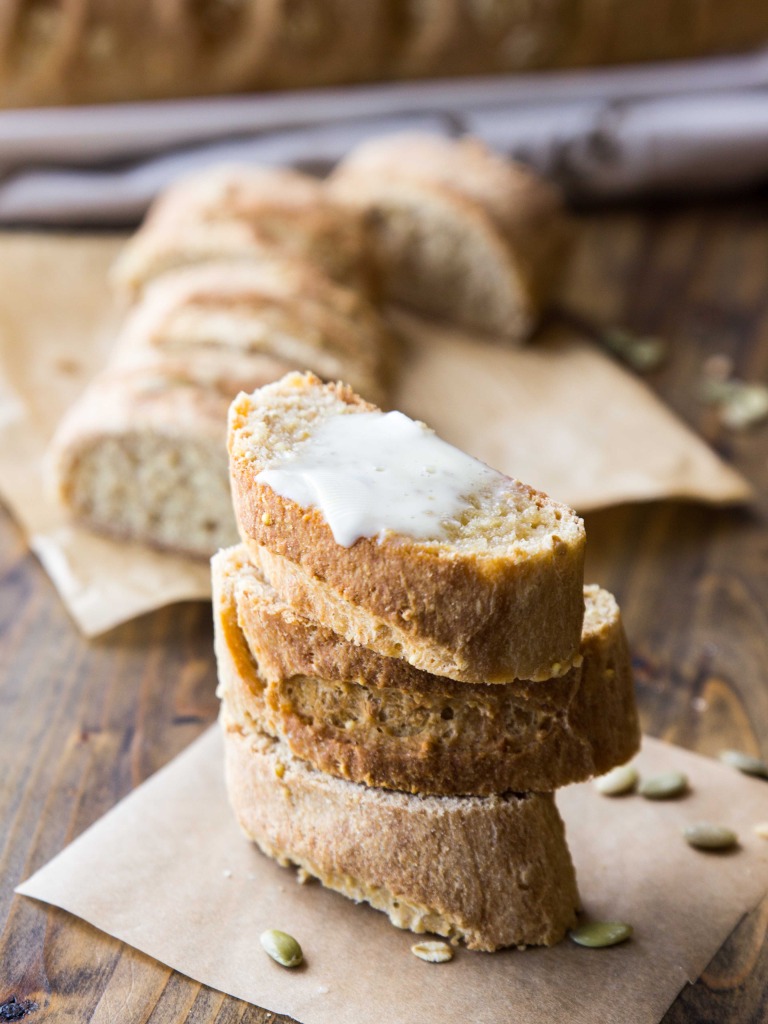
point(460, 233)
point(357, 715)
point(491, 872)
point(142, 454)
point(497, 598)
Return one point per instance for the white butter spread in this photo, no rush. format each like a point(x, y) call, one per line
point(373, 472)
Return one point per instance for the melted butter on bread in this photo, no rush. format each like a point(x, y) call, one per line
point(375, 473)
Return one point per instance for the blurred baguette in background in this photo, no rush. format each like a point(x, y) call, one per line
point(55, 52)
point(459, 232)
point(243, 214)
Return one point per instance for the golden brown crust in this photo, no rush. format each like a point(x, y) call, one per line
point(144, 396)
point(381, 722)
point(285, 309)
point(492, 872)
point(145, 371)
point(510, 193)
point(492, 619)
point(244, 214)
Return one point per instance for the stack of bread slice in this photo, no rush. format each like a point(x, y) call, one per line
point(238, 275)
point(409, 667)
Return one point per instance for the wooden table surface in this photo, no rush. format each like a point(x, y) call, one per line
point(84, 722)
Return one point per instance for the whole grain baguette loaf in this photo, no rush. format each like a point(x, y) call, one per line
point(491, 871)
point(459, 232)
point(245, 214)
point(494, 595)
point(284, 308)
point(142, 454)
point(103, 51)
point(357, 715)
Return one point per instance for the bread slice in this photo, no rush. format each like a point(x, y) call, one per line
point(284, 308)
point(491, 871)
point(460, 233)
point(142, 454)
point(492, 594)
point(246, 214)
point(379, 721)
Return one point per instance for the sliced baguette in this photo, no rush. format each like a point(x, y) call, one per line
point(142, 454)
point(498, 597)
point(492, 872)
point(246, 214)
point(284, 308)
point(460, 233)
point(379, 721)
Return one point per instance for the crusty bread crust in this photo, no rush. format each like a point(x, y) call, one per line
point(508, 614)
point(492, 872)
point(246, 214)
point(379, 721)
point(281, 307)
point(217, 375)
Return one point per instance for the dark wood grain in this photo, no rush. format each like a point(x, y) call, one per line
point(83, 723)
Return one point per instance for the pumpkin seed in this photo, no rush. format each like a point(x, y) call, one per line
point(433, 952)
point(762, 830)
point(641, 353)
point(282, 947)
point(746, 407)
point(618, 781)
point(598, 934)
point(664, 787)
point(707, 836)
point(746, 763)
point(741, 404)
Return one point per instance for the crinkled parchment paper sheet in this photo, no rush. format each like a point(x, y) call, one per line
point(559, 415)
point(173, 846)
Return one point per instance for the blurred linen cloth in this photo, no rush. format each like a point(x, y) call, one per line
point(672, 127)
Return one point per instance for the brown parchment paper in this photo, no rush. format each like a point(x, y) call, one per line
point(559, 415)
point(173, 846)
